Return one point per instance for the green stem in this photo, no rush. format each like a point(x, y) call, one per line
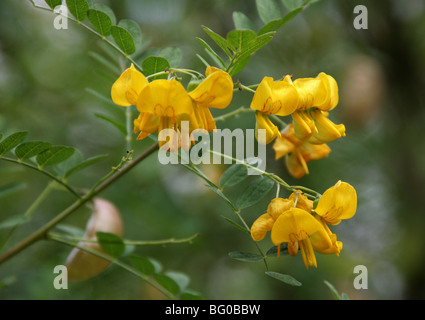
point(112, 260)
point(51, 176)
point(233, 114)
point(41, 233)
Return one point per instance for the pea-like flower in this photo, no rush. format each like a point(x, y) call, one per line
point(126, 89)
point(298, 153)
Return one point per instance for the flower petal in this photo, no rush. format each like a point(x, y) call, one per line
point(327, 131)
point(263, 122)
point(165, 98)
point(216, 91)
point(127, 87)
point(278, 206)
point(261, 226)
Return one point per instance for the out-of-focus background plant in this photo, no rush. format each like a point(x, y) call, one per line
point(44, 76)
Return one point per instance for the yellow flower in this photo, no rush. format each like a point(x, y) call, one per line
point(321, 246)
point(297, 153)
point(216, 91)
point(337, 203)
point(320, 92)
point(265, 222)
point(273, 97)
point(162, 105)
point(126, 89)
point(295, 227)
point(314, 125)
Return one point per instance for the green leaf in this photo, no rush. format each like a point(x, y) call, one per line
point(239, 65)
point(142, 264)
point(12, 141)
point(168, 283)
point(173, 55)
point(123, 39)
point(221, 195)
point(191, 295)
point(240, 39)
point(242, 22)
point(62, 167)
point(30, 149)
point(86, 163)
point(13, 221)
point(245, 256)
point(272, 252)
point(278, 23)
point(213, 54)
point(235, 174)
point(180, 278)
point(254, 192)
point(152, 65)
point(268, 10)
point(238, 226)
point(219, 40)
point(10, 188)
point(78, 8)
point(335, 293)
point(53, 3)
point(284, 278)
point(102, 18)
point(111, 243)
point(134, 29)
point(255, 45)
point(292, 4)
point(116, 124)
point(54, 155)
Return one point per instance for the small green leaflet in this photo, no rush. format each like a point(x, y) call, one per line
point(235, 174)
point(142, 264)
point(245, 256)
point(30, 149)
point(111, 243)
point(54, 155)
point(78, 9)
point(168, 283)
point(152, 65)
point(242, 22)
point(254, 192)
point(123, 39)
point(268, 10)
point(285, 278)
point(53, 3)
point(12, 141)
point(102, 18)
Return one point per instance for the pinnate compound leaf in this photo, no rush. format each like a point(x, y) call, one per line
point(111, 243)
point(219, 40)
point(30, 149)
point(54, 155)
point(12, 141)
point(276, 24)
point(78, 8)
point(254, 192)
point(285, 278)
point(240, 39)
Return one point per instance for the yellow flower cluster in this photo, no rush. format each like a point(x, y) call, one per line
point(294, 221)
point(164, 104)
point(308, 101)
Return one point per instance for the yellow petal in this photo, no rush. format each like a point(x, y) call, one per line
point(275, 97)
point(216, 91)
point(302, 201)
point(146, 122)
point(165, 98)
point(332, 92)
point(282, 147)
point(312, 92)
point(337, 203)
point(263, 122)
point(314, 151)
point(325, 243)
point(127, 87)
point(303, 124)
point(307, 253)
point(278, 206)
point(327, 131)
point(261, 226)
point(296, 168)
point(294, 225)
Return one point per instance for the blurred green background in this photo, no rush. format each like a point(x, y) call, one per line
point(44, 74)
